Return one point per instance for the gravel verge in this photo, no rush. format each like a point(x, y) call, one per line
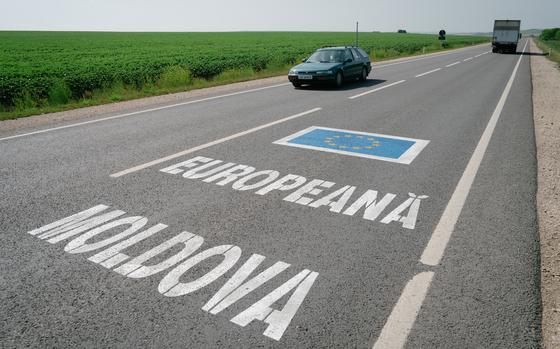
point(546, 114)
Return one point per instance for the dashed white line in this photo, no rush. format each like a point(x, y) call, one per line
point(428, 72)
point(436, 246)
point(452, 64)
point(209, 144)
point(427, 57)
point(142, 111)
point(402, 318)
point(467, 59)
point(376, 89)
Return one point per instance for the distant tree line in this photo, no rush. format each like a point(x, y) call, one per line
point(550, 34)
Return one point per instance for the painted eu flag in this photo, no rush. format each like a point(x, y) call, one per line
point(370, 145)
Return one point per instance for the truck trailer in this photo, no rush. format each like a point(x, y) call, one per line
point(506, 35)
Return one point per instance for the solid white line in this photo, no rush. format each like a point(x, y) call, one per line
point(209, 144)
point(402, 318)
point(436, 246)
point(142, 111)
point(426, 57)
point(452, 64)
point(467, 59)
point(428, 72)
point(478, 55)
point(376, 89)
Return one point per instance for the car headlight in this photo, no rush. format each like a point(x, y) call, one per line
point(292, 72)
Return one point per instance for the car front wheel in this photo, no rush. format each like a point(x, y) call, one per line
point(296, 84)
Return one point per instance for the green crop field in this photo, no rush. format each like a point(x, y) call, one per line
point(47, 71)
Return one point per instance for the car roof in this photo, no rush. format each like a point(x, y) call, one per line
point(336, 47)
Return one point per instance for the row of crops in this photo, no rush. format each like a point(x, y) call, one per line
point(32, 63)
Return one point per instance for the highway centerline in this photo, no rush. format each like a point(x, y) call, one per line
point(452, 64)
point(426, 73)
point(209, 144)
point(401, 320)
point(143, 111)
point(376, 89)
point(467, 59)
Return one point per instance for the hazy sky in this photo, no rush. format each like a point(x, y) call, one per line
point(257, 15)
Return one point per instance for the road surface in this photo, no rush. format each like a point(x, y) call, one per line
point(399, 212)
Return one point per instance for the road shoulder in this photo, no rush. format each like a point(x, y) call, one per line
point(546, 113)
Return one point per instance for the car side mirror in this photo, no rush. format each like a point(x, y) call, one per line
point(304, 60)
point(349, 60)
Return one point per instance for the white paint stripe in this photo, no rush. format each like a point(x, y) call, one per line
point(452, 64)
point(142, 111)
point(436, 246)
point(209, 144)
point(376, 89)
point(428, 72)
point(467, 59)
point(478, 55)
point(427, 57)
point(402, 318)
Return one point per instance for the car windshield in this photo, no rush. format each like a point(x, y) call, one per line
point(327, 56)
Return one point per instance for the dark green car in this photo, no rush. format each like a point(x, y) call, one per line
point(332, 65)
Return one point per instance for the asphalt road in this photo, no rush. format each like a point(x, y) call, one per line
point(453, 264)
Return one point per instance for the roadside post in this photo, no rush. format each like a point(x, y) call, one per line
point(442, 38)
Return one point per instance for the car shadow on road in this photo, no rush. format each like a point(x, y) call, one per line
point(347, 86)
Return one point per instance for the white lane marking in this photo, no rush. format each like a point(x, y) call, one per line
point(467, 59)
point(209, 144)
point(436, 246)
point(376, 89)
point(452, 64)
point(428, 57)
point(478, 55)
point(142, 111)
point(428, 72)
point(402, 318)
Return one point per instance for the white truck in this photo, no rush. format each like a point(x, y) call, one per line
point(506, 35)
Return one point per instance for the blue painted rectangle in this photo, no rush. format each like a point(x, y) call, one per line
point(355, 143)
point(363, 144)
